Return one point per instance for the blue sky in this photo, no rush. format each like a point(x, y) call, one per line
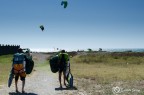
point(83, 24)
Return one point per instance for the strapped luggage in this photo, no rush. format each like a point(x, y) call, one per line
point(29, 66)
point(54, 64)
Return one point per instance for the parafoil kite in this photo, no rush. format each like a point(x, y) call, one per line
point(64, 3)
point(42, 27)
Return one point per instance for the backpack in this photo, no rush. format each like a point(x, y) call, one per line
point(18, 63)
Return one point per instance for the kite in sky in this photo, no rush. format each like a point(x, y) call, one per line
point(42, 27)
point(64, 3)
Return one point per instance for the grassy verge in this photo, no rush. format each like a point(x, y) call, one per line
point(105, 73)
point(5, 66)
point(105, 68)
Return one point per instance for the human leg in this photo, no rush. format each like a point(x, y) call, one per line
point(16, 82)
point(23, 84)
point(23, 76)
point(64, 77)
point(60, 73)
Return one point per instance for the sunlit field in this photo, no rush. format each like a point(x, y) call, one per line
point(5, 66)
point(94, 71)
point(107, 67)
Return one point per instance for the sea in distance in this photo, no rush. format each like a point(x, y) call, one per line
point(123, 49)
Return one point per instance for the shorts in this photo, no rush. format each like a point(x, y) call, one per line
point(21, 75)
point(62, 68)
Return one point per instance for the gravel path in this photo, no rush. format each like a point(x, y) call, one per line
point(39, 83)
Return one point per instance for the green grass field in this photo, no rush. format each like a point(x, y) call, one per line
point(5, 67)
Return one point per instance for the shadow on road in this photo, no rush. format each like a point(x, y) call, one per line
point(14, 93)
point(68, 88)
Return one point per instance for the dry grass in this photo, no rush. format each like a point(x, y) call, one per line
point(105, 73)
point(108, 69)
